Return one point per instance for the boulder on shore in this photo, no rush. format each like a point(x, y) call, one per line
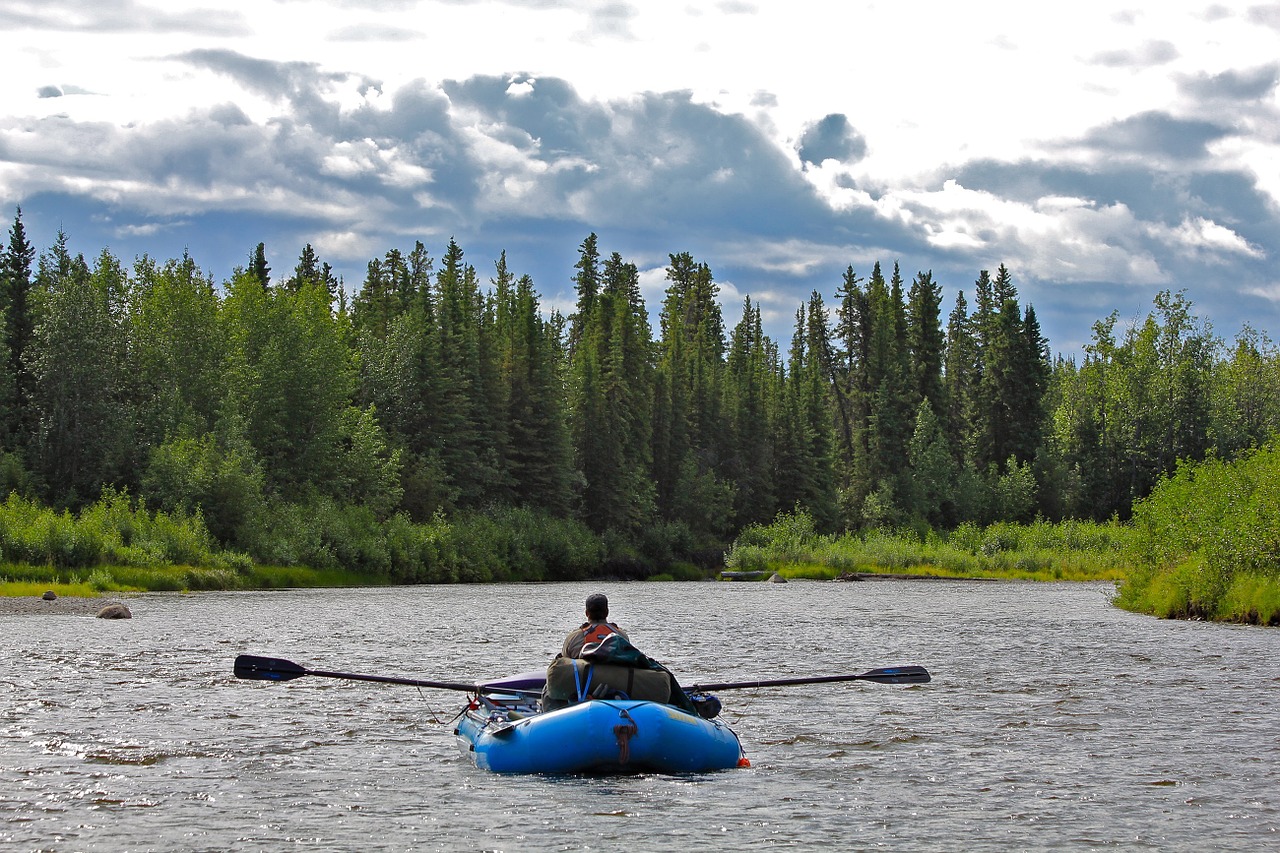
point(49, 595)
point(115, 610)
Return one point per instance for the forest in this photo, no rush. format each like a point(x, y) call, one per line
point(278, 420)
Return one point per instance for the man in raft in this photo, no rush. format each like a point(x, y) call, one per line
point(612, 668)
point(595, 629)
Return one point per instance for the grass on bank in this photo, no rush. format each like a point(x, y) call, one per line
point(21, 580)
point(35, 589)
point(1072, 551)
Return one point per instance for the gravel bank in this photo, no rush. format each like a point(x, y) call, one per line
point(63, 606)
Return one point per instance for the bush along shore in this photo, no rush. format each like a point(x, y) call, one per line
point(117, 545)
point(1074, 551)
point(1207, 543)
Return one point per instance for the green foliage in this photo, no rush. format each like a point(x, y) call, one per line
point(223, 483)
point(79, 377)
point(112, 530)
point(442, 431)
point(1208, 539)
point(680, 572)
point(1040, 551)
point(369, 471)
point(1013, 491)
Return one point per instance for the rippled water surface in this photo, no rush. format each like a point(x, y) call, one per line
point(1053, 721)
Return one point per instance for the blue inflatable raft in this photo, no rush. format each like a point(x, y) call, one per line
point(504, 729)
point(507, 734)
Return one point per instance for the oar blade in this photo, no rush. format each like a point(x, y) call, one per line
point(267, 669)
point(898, 675)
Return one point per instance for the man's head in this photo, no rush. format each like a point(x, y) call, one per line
point(597, 606)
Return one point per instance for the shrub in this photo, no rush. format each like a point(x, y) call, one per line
point(223, 482)
point(1208, 537)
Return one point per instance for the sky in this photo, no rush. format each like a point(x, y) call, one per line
point(1103, 152)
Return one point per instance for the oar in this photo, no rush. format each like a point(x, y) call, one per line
point(888, 675)
point(278, 669)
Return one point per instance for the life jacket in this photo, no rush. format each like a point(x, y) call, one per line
point(594, 633)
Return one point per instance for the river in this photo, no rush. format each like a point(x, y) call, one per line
point(1053, 721)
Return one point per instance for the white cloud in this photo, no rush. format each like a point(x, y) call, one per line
point(1103, 146)
point(1269, 292)
point(1054, 238)
point(1200, 236)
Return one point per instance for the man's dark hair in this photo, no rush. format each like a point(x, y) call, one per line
point(597, 605)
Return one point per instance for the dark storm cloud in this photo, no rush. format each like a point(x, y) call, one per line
point(655, 161)
point(1200, 226)
point(1157, 134)
point(474, 153)
point(1164, 176)
point(284, 80)
point(501, 163)
point(1251, 85)
point(832, 138)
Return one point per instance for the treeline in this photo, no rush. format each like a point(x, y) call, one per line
point(270, 404)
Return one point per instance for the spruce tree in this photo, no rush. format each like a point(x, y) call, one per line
point(258, 268)
point(690, 418)
point(586, 282)
point(925, 340)
point(539, 451)
point(960, 372)
point(817, 413)
point(17, 314)
point(749, 437)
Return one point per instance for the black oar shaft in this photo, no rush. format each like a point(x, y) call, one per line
point(388, 679)
point(890, 675)
point(278, 669)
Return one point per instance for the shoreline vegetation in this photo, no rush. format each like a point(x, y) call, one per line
point(1203, 545)
point(1041, 551)
point(118, 545)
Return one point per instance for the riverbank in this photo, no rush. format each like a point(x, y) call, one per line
point(34, 605)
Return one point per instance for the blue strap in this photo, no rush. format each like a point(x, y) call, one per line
point(577, 682)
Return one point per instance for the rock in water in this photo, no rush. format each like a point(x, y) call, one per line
point(115, 610)
point(49, 595)
point(777, 578)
